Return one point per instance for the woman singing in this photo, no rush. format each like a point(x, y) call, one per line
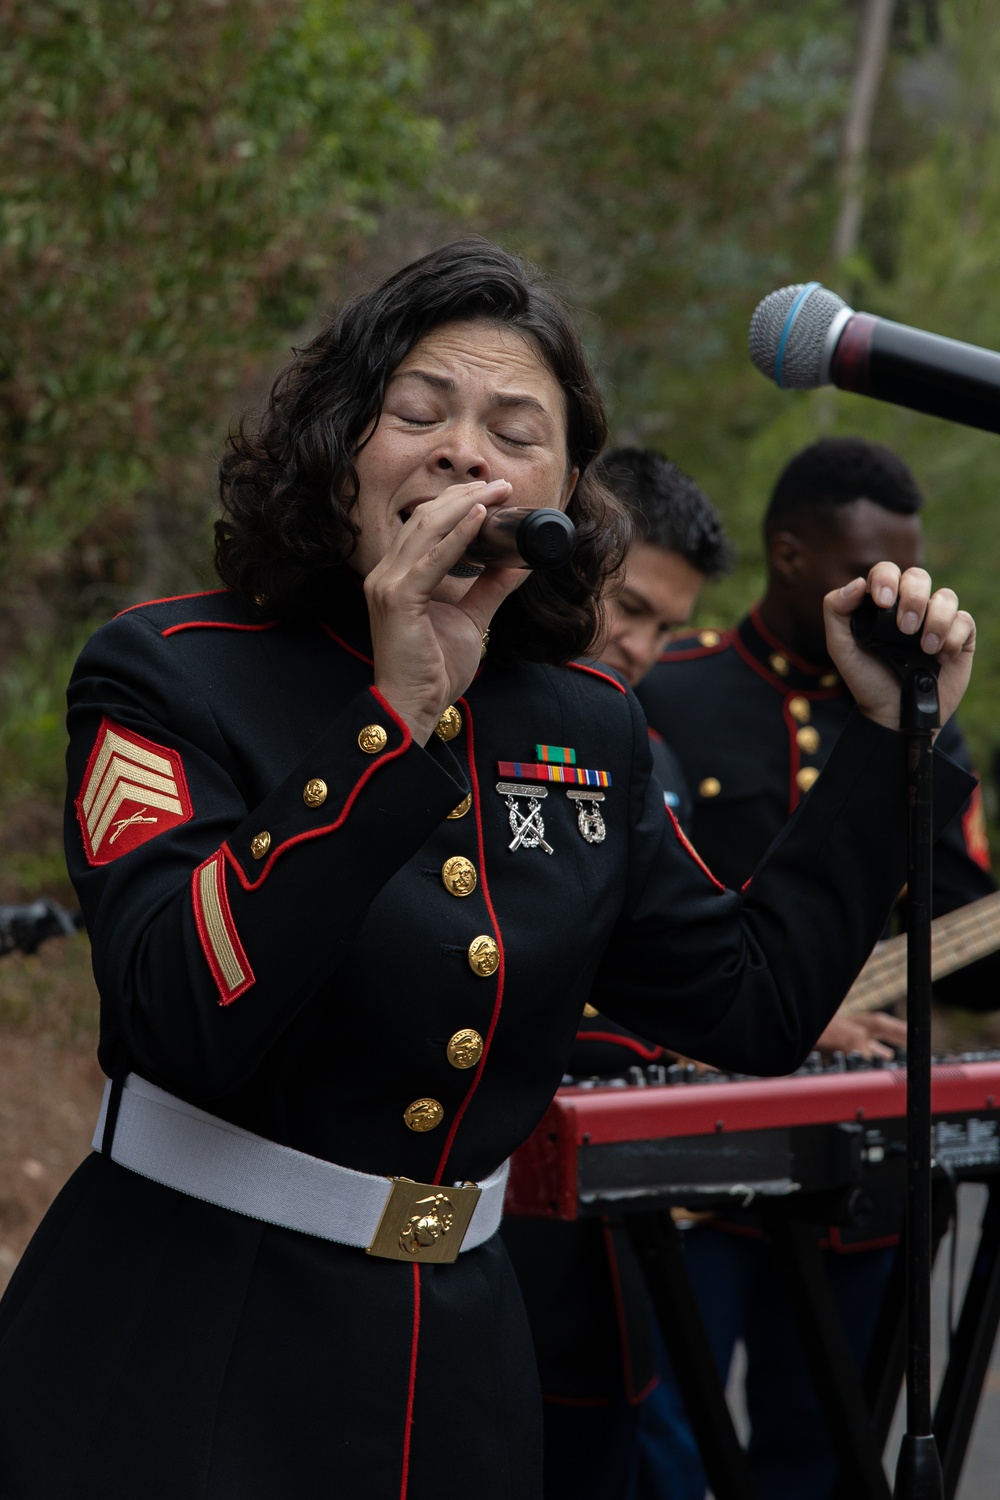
point(346, 911)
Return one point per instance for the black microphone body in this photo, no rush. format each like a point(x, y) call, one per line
point(922, 371)
point(518, 536)
point(806, 336)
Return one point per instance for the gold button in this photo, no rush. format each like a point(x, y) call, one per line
point(259, 844)
point(709, 637)
point(423, 1114)
point(449, 724)
point(799, 709)
point(806, 777)
point(710, 787)
point(778, 664)
point(590, 1011)
point(462, 808)
point(459, 875)
point(314, 792)
point(807, 739)
point(372, 739)
point(484, 956)
point(829, 679)
point(465, 1048)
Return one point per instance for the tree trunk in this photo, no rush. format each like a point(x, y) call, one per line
point(876, 21)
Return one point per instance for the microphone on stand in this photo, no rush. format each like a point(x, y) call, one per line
point(519, 537)
point(806, 336)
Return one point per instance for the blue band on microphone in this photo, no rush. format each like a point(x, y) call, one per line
point(793, 313)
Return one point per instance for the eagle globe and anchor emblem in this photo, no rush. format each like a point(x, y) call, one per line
point(433, 1217)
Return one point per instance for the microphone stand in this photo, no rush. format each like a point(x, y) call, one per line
point(918, 1468)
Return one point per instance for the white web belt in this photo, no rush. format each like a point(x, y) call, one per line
point(173, 1143)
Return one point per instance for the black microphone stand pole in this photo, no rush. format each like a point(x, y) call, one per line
point(918, 1469)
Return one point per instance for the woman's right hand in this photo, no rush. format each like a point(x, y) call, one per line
point(427, 650)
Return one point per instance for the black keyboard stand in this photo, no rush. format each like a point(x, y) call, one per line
point(858, 1410)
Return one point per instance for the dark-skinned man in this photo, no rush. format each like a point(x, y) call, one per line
point(590, 1316)
point(752, 716)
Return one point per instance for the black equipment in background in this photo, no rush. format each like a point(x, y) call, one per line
point(27, 927)
point(805, 336)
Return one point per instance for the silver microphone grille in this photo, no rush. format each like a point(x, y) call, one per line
point(789, 332)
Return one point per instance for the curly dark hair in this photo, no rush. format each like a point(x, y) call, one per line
point(668, 508)
point(288, 481)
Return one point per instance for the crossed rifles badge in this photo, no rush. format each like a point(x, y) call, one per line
point(556, 764)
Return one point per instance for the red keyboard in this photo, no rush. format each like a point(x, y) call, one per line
point(710, 1140)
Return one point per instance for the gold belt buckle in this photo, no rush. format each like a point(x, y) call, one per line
point(424, 1223)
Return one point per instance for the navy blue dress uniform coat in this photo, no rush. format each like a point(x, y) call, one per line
point(753, 726)
point(304, 985)
point(583, 1288)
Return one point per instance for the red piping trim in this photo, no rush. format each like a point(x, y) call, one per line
point(411, 1389)
point(226, 995)
point(692, 851)
point(809, 667)
point(578, 666)
point(831, 1240)
point(368, 661)
point(315, 833)
point(794, 758)
point(170, 599)
point(484, 885)
point(216, 625)
point(616, 1291)
point(815, 695)
point(770, 678)
point(974, 831)
point(651, 1054)
point(836, 1244)
point(692, 653)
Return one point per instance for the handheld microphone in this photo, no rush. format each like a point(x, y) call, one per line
point(805, 336)
point(519, 537)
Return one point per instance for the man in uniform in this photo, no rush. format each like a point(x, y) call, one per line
point(588, 1308)
point(752, 714)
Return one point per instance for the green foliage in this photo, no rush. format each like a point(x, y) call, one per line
point(182, 181)
point(184, 184)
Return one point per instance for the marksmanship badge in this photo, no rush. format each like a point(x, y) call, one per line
point(527, 827)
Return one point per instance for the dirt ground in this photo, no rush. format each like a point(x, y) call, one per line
point(50, 1084)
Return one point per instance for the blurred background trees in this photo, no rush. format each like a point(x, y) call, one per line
point(187, 185)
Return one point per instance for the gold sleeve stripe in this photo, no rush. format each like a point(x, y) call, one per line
point(219, 939)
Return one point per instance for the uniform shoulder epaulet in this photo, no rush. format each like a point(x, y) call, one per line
point(695, 644)
point(217, 609)
point(600, 671)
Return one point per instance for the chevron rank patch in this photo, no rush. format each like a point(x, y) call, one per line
point(132, 790)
